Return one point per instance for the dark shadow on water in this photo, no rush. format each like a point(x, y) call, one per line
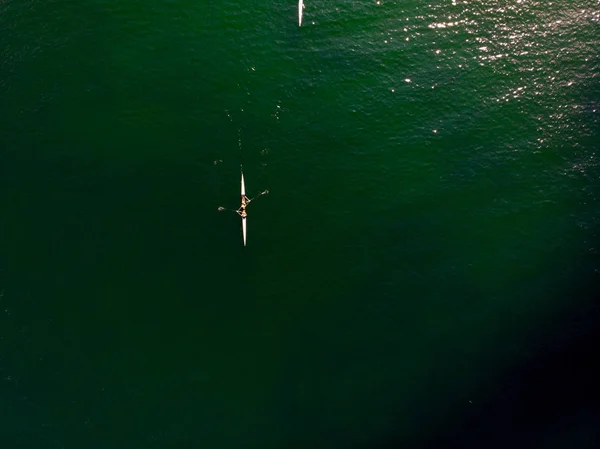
point(551, 400)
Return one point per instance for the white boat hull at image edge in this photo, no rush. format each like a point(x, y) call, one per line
point(243, 218)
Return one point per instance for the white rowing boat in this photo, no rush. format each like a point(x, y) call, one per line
point(244, 217)
point(300, 8)
point(241, 211)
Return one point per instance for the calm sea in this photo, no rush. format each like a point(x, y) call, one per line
point(422, 274)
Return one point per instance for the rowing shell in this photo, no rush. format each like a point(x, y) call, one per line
point(300, 7)
point(243, 218)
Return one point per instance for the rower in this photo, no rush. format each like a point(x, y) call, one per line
point(245, 201)
point(242, 210)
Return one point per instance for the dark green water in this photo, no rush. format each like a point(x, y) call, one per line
point(422, 274)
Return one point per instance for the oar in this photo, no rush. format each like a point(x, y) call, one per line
point(260, 194)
